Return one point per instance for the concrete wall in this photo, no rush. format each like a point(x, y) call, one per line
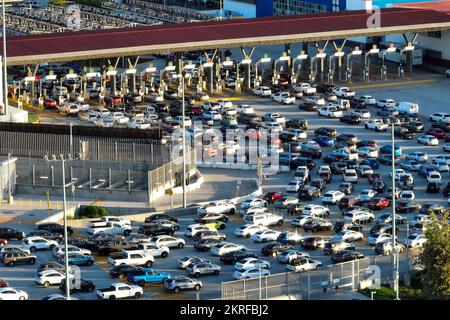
point(14, 115)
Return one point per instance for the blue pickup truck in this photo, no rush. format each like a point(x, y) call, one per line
point(148, 276)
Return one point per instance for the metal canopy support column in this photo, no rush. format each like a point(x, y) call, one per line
point(339, 49)
point(248, 56)
point(114, 77)
point(287, 49)
point(410, 53)
point(133, 75)
point(211, 68)
point(321, 51)
point(32, 73)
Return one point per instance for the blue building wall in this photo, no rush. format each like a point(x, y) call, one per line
point(264, 8)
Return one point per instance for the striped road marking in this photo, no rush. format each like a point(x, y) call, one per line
point(391, 84)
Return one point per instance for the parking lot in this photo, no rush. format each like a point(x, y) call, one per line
point(432, 97)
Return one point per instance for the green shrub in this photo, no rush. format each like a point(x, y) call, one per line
point(93, 212)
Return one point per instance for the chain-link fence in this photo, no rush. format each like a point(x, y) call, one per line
point(310, 285)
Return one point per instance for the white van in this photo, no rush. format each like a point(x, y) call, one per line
point(408, 108)
point(264, 219)
point(359, 216)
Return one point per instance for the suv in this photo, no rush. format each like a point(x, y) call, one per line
point(385, 247)
point(182, 283)
point(13, 258)
point(333, 247)
point(54, 227)
point(359, 216)
point(308, 193)
point(341, 225)
point(10, 233)
point(155, 229)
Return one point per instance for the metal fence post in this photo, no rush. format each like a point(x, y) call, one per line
point(149, 187)
point(309, 287)
point(34, 175)
point(115, 150)
point(52, 172)
point(134, 152)
point(151, 153)
point(110, 179)
point(129, 180)
point(90, 179)
point(98, 150)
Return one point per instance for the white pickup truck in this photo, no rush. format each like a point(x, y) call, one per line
point(305, 88)
point(153, 249)
point(110, 228)
point(120, 290)
point(217, 207)
point(104, 221)
point(133, 258)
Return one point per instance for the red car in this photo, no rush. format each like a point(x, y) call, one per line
point(438, 133)
point(196, 110)
point(378, 203)
point(112, 100)
point(3, 284)
point(271, 197)
point(3, 242)
point(50, 103)
point(374, 177)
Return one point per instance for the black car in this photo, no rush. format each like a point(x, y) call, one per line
point(122, 271)
point(433, 187)
point(313, 243)
point(366, 143)
point(51, 265)
point(308, 193)
point(105, 248)
point(349, 201)
point(286, 136)
point(414, 126)
point(346, 255)
point(83, 243)
point(406, 207)
point(245, 118)
point(441, 125)
point(160, 216)
point(341, 225)
point(346, 187)
point(236, 256)
point(316, 225)
point(429, 208)
point(338, 167)
point(310, 153)
point(273, 249)
point(378, 186)
point(308, 106)
point(82, 286)
point(54, 227)
point(347, 138)
point(404, 133)
point(10, 233)
point(330, 158)
point(297, 124)
point(303, 161)
point(331, 247)
point(47, 235)
point(323, 131)
point(325, 87)
point(351, 119)
point(318, 183)
point(155, 229)
point(383, 228)
point(293, 147)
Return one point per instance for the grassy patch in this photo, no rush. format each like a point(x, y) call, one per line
point(33, 117)
point(386, 293)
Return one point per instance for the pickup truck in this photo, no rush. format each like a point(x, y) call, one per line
point(104, 221)
point(153, 249)
point(110, 228)
point(217, 207)
point(305, 88)
point(120, 291)
point(148, 276)
point(131, 258)
point(69, 108)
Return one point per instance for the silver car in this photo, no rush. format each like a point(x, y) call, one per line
point(197, 269)
point(187, 260)
point(182, 283)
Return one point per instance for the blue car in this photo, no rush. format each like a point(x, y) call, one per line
point(79, 259)
point(148, 276)
point(371, 162)
point(387, 148)
point(423, 171)
point(324, 141)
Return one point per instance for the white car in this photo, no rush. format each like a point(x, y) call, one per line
point(187, 260)
point(120, 290)
point(118, 118)
point(301, 220)
point(332, 197)
point(225, 103)
point(315, 210)
point(154, 250)
point(283, 97)
point(223, 248)
point(305, 88)
point(59, 250)
point(211, 106)
point(368, 100)
point(291, 254)
point(362, 113)
point(47, 278)
point(262, 91)
point(415, 240)
point(154, 97)
point(38, 243)
point(105, 122)
point(330, 112)
point(440, 117)
point(367, 152)
point(367, 194)
point(364, 170)
point(265, 236)
point(245, 109)
point(428, 140)
point(376, 124)
point(228, 111)
point(247, 230)
point(447, 73)
point(378, 237)
point(251, 263)
point(420, 218)
point(9, 293)
point(397, 173)
point(300, 134)
point(348, 235)
point(250, 273)
point(343, 92)
point(440, 166)
point(168, 241)
point(217, 207)
point(350, 175)
point(386, 103)
point(318, 100)
point(138, 123)
point(417, 156)
point(350, 154)
point(192, 230)
point(89, 117)
point(305, 264)
point(445, 158)
point(294, 186)
point(359, 216)
point(179, 120)
point(274, 117)
point(253, 202)
point(434, 176)
point(212, 115)
point(272, 126)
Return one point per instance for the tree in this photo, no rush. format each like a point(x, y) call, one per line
point(435, 258)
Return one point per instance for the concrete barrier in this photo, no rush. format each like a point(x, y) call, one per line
point(70, 212)
point(192, 186)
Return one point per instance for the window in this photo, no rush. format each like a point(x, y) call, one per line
point(435, 34)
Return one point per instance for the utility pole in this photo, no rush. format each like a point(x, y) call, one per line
point(5, 70)
point(394, 233)
point(184, 140)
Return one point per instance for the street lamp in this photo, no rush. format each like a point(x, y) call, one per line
point(263, 60)
point(372, 51)
point(394, 232)
point(275, 76)
point(300, 58)
point(391, 49)
point(408, 48)
point(331, 70)
point(348, 72)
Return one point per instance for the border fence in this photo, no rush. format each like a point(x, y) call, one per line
point(311, 285)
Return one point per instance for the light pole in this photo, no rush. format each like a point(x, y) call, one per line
point(372, 51)
point(71, 138)
point(394, 232)
point(5, 71)
point(50, 77)
point(348, 72)
point(302, 56)
point(263, 60)
point(408, 48)
point(330, 69)
point(391, 49)
point(10, 197)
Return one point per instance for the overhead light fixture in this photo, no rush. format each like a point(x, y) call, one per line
point(130, 71)
point(150, 69)
point(374, 51)
point(246, 61)
point(321, 55)
point(189, 66)
point(356, 52)
point(71, 75)
point(50, 77)
point(284, 58)
point(208, 65)
point(339, 54)
point(169, 68)
point(111, 72)
point(265, 60)
point(228, 63)
point(302, 56)
point(93, 74)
